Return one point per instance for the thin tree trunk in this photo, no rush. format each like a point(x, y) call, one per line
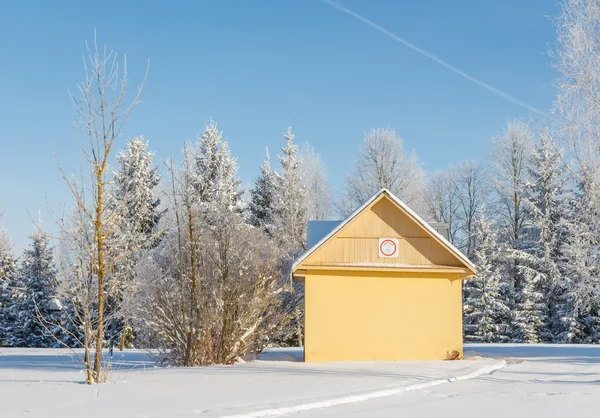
point(122, 344)
point(101, 279)
point(88, 366)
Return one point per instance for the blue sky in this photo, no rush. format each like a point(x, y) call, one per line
point(257, 66)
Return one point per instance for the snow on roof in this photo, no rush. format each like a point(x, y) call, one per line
point(400, 203)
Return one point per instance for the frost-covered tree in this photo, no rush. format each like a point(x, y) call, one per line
point(441, 200)
point(262, 198)
point(135, 181)
point(382, 162)
point(581, 275)
point(472, 189)
point(485, 312)
point(215, 176)
point(540, 255)
point(577, 107)
point(39, 308)
point(290, 207)
point(511, 153)
point(530, 311)
point(577, 58)
point(213, 289)
point(138, 211)
point(103, 107)
point(319, 205)
point(7, 284)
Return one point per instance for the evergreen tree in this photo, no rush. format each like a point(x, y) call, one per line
point(138, 215)
point(289, 212)
point(215, 179)
point(135, 181)
point(511, 153)
point(38, 307)
point(530, 312)
point(581, 273)
point(289, 208)
point(485, 311)
point(540, 254)
point(262, 198)
point(7, 285)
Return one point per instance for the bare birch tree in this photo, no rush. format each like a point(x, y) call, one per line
point(511, 152)
point(472, 189)
point(382, 162)
point(319, 205)
point(577, 58)
point(442, 202)
point(102, 111)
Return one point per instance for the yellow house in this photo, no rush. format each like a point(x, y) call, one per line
point(383, 285)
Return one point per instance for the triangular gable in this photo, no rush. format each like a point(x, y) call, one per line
point(421, 224)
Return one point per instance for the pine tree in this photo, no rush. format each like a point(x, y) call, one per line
point(530, 311)
point(135, 181)
point(485, 311)
point(262, 198)
point(289, 208)
point(7, 285)
point(581, 273)
point(290, 232)
point(215, 179)
point(540, 254)
point(39, 308)
point(138, 214)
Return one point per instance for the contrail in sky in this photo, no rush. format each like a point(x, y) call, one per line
point(431, 56)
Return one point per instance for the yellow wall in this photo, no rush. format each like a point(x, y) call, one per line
point(381, 316)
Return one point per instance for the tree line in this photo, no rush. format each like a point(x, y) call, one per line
point(191, 264)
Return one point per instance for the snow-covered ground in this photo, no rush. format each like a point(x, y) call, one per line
point(496, 381)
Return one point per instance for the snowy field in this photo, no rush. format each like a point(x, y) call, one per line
point(495, 381)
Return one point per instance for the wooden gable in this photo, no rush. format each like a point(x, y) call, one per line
point(354, 245)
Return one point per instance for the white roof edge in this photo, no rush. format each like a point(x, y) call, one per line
point(403, 205)
point(429, 228)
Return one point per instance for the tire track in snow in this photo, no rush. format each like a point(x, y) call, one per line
point(368, 396)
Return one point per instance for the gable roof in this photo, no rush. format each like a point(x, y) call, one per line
point(426, 226)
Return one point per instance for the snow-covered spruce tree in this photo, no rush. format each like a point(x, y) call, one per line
point(135, 181)
point(530, 311)
point(539, 255)
point(8, 272)
point(318, 201)
point(485, 312)
point(289, 207)
point(262, 198)
point(39, 309)
point(382, 162)
point(511, 152)
point(138, 212)
point(215, 172)
point(580, 310)
point(289, 232)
